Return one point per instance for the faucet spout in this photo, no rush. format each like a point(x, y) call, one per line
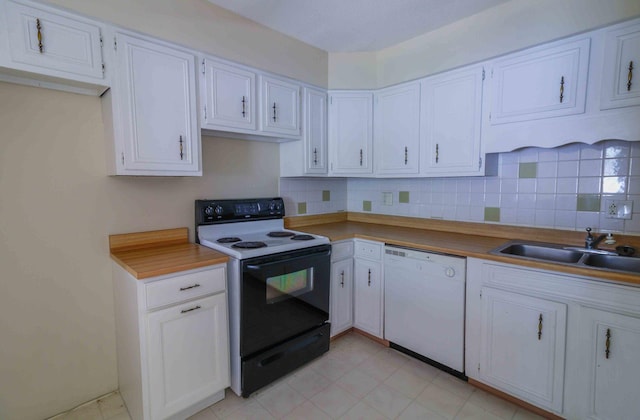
point(592, 243)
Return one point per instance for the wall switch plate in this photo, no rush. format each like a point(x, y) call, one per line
point(387, 198)
point(618, 209)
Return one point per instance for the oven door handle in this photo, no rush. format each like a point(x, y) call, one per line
point(258, 267)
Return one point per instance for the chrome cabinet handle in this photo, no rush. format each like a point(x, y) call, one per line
point(607, 344)
point(184, 311)
point(181, 142)
point(406, 155)
point(244, 102)
point(369, 283)
point(540, 327)
point(561, 89)
point(315, 156)
point(39, 28)
point(360, 157)
point(629, 76)
point(274, 112)
point(182, 289)
point(342, 278)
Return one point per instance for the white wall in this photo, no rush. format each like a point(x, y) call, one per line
point(510, 26)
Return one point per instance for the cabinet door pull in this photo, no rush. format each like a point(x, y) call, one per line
point(540, 327)
point(561, 89)
point(629, 76)
point(39, 28)
point(274, 112)
point(437, 152)
point(406, 155)
point(181, 148)
point(360, 157)
point(182, 289)
point(607, 344)
point(315, 155)
point(369, 282)
point(184, 311)
point(342, 278)
point(244, 102)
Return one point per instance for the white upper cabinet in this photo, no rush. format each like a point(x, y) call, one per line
point(280, 112)
point(452, 121)
point(50, 42)
point(229, 96)
point(397, 130)
point(155, 114)
point(351, 132)
point(621, 72)
point(542, 82)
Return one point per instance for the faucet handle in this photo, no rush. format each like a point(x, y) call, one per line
point(589, 233)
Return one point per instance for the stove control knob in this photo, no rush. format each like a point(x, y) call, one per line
point(275, 206)
point(208, 211)
point(218, 210)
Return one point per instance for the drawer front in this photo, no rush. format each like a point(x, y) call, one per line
point(187, 286)
point(341, 250)
point(370, 250)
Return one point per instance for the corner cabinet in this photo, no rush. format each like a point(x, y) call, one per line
point(621, 77)
point(351, 133)
point(452, 121)
point(172, 341)
point(228, 94)
point(368, 287)
point(154, 107)
point(341, 315)
point(280, 111)
point(542, 82)
point(397, 130)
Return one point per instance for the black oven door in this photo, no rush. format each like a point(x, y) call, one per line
point(283, 295)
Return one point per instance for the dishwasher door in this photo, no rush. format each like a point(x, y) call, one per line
point(424, 304)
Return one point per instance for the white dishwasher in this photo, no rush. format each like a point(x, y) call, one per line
point(424, 295)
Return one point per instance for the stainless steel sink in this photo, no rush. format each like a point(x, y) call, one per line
point(546, 252)
point(567, 255)
point(613, 262)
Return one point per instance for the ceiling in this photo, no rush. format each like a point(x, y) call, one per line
point(355, 25)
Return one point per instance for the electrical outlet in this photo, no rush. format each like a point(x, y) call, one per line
point(618, 209)
point(387, 198)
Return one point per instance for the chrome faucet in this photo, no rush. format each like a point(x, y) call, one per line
point(592, 243)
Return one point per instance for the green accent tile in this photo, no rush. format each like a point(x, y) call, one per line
point(302, 208)
point(492, 214)
point(588, 202)
point(528, 170)
point(366, 205)
point(403, 197)
point(326, 195)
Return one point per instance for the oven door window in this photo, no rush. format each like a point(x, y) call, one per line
point(289, 285)
point(282, 296)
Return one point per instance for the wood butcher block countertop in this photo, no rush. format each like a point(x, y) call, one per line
point(456, 238)
point(159, 252)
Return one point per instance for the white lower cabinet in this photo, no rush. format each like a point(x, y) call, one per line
point(523, 346)
point(565, 343)
point(341, 314)
point(172, 342)
point(368, 287)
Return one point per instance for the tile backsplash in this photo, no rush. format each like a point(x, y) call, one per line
point(568, 187)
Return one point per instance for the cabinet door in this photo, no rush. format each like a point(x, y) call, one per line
point(280, 107)
point(543, 82)
point(612, 342)
point(397, 130)
point(368, 296)
point(523, 346)
point(55, 41)
point(452, 122)
point(160, 134)
point(229, 94)
point(341, 296)
point(315, 131)
point(351, 132)
point(621, 76)
point(188, 354)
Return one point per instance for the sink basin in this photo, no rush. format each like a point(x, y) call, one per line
point(613, 262)
point(542, 252)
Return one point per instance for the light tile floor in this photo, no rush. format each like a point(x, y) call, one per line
point(357, 379)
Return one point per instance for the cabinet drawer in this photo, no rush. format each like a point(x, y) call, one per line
point(341, 250)
point(185, 287)
point(370, 250)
